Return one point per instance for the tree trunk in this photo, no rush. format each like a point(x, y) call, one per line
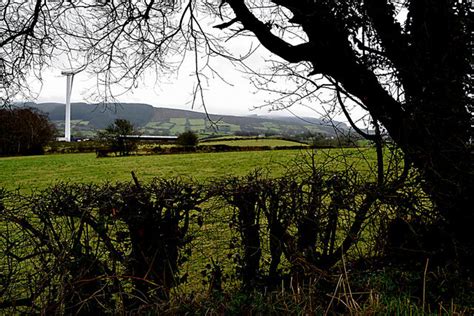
point(430, 57)
point(437, 142)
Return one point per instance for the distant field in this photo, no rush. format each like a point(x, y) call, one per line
point(253, 142)
point(28, 173)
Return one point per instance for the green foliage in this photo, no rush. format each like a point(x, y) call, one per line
point(88, 146)
point(120, 127)
point(188, 139)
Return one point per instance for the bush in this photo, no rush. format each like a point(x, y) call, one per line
point(90, 249)
point(300, 219)
point(114, 137)
point(187, 139)
point(87, 146)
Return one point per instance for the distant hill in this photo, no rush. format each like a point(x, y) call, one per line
point(86, 119)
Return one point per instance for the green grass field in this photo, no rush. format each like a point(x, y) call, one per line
point(27, 173)
point(38, 172)
point(253, 142)
point(211, 242)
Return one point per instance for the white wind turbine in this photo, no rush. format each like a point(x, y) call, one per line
point(69, 81)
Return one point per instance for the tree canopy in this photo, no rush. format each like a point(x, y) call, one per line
point(24, 131)
point(411, 76)
point(114, 136)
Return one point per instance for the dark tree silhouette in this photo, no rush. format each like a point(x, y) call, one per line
point(24, 131)
point(114, 136)
point(428, 59)
point(187, 139)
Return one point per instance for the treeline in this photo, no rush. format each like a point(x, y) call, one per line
point(128, 247)
point(220, 148)
point(24, 131)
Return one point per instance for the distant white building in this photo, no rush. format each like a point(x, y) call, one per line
point(167, 139)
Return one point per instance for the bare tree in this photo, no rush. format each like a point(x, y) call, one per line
point(117, 40)
point(412, 77)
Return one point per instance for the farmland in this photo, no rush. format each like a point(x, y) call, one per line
point(253, 142)
point(37, 172)
point(87, 119)
point(367, 216)
point(217, 237)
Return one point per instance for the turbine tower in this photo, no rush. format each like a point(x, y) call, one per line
point(69, 80)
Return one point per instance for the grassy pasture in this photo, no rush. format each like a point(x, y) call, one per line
point(37, 172)
point(212, 239)
point(253, 142)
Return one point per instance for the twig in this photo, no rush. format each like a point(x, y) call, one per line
point(135, 180)
point(424, 283)
point(334, 294)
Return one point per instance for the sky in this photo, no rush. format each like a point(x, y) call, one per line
point(173, 91)
point(236, 96)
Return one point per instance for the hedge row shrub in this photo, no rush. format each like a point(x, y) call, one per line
point(113, 248)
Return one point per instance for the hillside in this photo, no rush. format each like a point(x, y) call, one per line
point(86, 119)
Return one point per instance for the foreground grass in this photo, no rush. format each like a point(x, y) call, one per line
point(38, 172)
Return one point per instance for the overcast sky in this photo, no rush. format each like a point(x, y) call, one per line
point(175, 90)
point(238, 96)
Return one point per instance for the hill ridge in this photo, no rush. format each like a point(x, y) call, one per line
point(87, 118)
